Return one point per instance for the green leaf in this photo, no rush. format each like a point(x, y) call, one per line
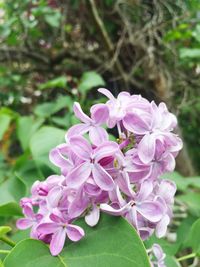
point(53, 19)
point(10, 193)
point(191, 53)
point(88, 80)
point(45, 110)
point(4, 124)
point(28, 172)
point(193, 240)
point(182, 231)
point(192, 200)
point(26, 127)
point(59, 82)
point(113, 242)
point(183, 183)
point(43, 141)
point(4, 230)
point(171, 262)
point(31, 253)
point(10, 209)
point(196, 33)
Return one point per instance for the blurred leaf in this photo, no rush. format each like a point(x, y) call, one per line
point(53, 19)
point(11, 192)
point(26, 127)
point(193, 240)
point(59, 82)
point(27, 170)
point(62, 121)
point(182, 231)
point(47, 109)
point(4, 230)
point(192, 200)
point(171, 262)
point(4, 124)
point(183, 183)
point(191, 53)
point(43, 141)
point(88, 80)
point(196, 33)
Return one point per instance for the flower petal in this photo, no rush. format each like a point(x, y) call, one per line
point(54, 196)
point(57, 158)
point(78, 205)
point(123, 182)
point(80, 114)
point(98, 135)
point(58, 241)
point(167, 190)
point(81, 147)
point(151, 210)
point(99, 113)
point(74, 232)
point(106, 149)
point(161, 227)
point(47, 228)
point(78, 129)
point(24, 223)
point(146, 189)
point(135, 124)
point(158, 252)
point(115, 212)
point(79, 175)
point(102, 178)
point(92, 217)
point(107, 93)
point(146, 148)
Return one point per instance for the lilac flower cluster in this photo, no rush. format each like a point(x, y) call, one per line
point(119, 178)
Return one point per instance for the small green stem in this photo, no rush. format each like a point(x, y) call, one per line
point(2, 251)
point(7, 240)
point(189, 256)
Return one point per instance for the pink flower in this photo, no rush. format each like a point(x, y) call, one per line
point(91, 163)
point(157, 256)
point(99, 115)
point(120, 178)
point(60, 228)
point(140, 205)
point(30, 220)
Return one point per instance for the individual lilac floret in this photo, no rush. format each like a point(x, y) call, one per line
point(157, 256)
point(91, 163)
point(99, 115)
point(59, 228)
point(31, 220)
point(119, 177)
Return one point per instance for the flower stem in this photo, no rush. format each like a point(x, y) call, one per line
point(7, 240)
point(189, 256)
point(2, 251)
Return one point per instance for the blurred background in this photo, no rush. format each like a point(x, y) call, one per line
point(55, 52)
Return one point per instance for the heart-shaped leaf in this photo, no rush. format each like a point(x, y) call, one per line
point(113, 242)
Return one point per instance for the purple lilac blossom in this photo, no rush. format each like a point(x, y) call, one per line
point(121, 177)
point(157, 256)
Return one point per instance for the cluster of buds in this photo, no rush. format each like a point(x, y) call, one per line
point(121, 177)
